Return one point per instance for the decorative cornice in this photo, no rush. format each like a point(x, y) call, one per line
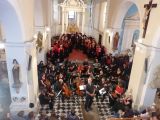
point(73, 3)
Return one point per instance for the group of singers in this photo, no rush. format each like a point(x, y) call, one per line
point(67, 42)
point(104, 75)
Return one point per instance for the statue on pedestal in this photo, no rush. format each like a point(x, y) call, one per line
point(115, 41)
point(16, 75)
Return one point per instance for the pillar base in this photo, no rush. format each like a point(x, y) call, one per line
point(17, 107)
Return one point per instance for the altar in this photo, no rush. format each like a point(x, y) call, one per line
point(73, 16)
point(72, 28)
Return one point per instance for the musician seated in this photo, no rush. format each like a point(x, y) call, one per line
point(85, 64)
point(128, 101)
point(118, 105)
point(43, 99)
point(43, 80)
point(41, 66)
point(58, 85)
point(119, 89)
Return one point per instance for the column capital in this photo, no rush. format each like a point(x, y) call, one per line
point(116, 29)
point(30, 43)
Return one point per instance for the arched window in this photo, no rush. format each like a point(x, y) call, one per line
point(71, 15)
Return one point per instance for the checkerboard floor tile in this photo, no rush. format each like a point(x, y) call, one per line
point(62, 108)
point(103, 108)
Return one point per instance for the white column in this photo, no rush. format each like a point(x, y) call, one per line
point(83, 20)
point(138, 76)
point(25, 92)
point(152, 80)
point(78, 19)
point(66, 20)
point(50, 22)
point(62, 20)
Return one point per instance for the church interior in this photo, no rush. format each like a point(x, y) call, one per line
point(79, 60)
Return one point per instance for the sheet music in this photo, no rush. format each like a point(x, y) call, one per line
point(102, 91)
point(82, 87)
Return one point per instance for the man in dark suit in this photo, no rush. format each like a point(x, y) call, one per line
point(90, 93)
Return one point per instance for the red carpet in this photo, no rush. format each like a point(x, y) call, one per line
point(77, 55)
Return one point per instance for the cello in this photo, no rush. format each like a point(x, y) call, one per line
point(66, 90)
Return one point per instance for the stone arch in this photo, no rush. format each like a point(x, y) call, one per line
point(120, 24)
point(11, 21)
point(13, 29)
point(123, 8)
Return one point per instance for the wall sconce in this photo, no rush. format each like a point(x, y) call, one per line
point(138, 48)
point(140, 40)
point(2, 46)
point(47, 29)
point(35, 36)
point(108, 31)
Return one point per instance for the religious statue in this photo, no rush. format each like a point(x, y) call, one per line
point(115, 41)
point(39, 42)
point(146, 14)
point(145, 20)
point(16, 75)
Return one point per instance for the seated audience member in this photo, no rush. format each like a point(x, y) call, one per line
point(154, 116)
point(43, 116)
point(128, 101)
point(7, 116)
point(30, 116)
point(145, 113)
point(118, 105)
point(63, 117)
point(72, 115)
point(119, 114)
point(53, 116)
point(128, 113)
point(19, 116)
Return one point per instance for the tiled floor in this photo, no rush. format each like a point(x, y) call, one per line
point(103, 109)
point(76, 102)
point(62, 108)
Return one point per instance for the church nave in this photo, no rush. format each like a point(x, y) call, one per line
point(86, 59)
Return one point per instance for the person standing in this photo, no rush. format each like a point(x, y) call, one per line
point(90, 93)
